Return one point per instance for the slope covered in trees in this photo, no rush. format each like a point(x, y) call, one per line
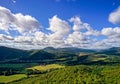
point(77, 75)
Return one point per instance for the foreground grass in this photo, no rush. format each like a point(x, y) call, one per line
point(77, 75)
point(46, 67)
point(6, 79)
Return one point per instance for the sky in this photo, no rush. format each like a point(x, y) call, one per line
point(90, 24)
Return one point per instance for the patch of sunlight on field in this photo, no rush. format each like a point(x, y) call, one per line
point(6, 79)
point(46, 67)
point(98, 59)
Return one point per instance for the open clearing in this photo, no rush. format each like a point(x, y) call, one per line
point(46, 67)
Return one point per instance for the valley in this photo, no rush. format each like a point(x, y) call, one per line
point(63, 65)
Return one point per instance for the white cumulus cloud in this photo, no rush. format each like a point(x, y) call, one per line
point(111, 32)
point(59, 30)
point(114, 17)
point(24, 24)
point(60, 33)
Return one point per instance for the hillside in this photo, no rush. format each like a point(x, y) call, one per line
point(77, 75)
point(69, 49)
point(17, 55)
point(46, 55)
point(112, 51)
point(62, 65)
point(7, 54)
point(67, 56)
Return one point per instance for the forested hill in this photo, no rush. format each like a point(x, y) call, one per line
point(111, 51)
point(46, 53)
point(69, 56)
point(11, 54)
point(69, 49)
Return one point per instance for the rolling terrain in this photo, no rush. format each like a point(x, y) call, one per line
point(54, 65)
point(76, 75)
point(61, 55)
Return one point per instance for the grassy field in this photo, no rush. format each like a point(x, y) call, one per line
point(6, 79)
point(46, 67)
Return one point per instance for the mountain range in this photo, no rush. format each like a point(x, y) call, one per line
point(68, 56)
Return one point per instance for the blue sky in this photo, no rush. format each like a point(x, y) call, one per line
point(53, 13)
point(95, 12)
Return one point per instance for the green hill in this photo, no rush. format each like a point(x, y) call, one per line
point(82, 66)
point(67, 56)
point(49, 55)
point(111, 51)
point(7, 54)
point(69, 49)
point(17, 55)
point(77, 75)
